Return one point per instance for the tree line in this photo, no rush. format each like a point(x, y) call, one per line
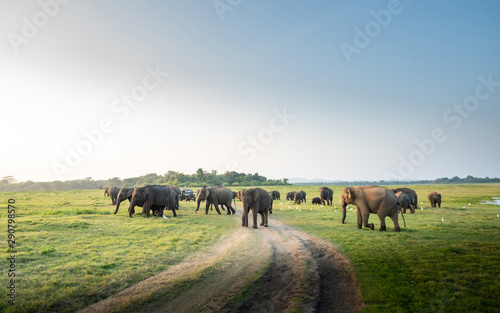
point(198, 179)
point(201, 177)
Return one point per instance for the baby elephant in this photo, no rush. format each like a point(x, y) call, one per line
point(316, 200)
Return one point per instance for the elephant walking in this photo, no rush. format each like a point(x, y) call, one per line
point(259, 201)
point(371, 199)
point(434, 198)
point(404, 201)
point(411, 194)
point(300, 197)
point(275, 194)
point(153, 197)
point(290, 195)
point(326, 193)
point(112, 192)
point(216, 195)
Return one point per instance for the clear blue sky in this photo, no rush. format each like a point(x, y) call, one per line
point(325, 89)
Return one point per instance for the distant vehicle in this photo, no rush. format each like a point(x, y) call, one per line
point(187, 195)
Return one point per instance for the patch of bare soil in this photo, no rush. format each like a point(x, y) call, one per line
point(305, 273)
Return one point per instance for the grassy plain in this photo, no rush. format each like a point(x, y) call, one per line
point(74, 251)
point(430, 266)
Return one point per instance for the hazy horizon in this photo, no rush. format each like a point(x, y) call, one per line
point(343, 90)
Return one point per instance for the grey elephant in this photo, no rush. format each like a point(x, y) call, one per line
point(434, 198)
point(300, 197)
point(275, 194)
point(127, 193)
point(112, 192)
point(258, 200)
point(326, 194)
point(316, 200)
point(411, 194)
point(153, 197)
point(177, 194)
point(371, 199)
point(216, 195)
point(404, 201)
point(290, 195)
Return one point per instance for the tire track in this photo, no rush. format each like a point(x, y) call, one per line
point(305, 273)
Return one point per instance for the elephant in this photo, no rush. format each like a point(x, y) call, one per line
point(300, 197)
point(326, 193)
point(124, 194)
point(216, 195)
point(112, 192)
point(371, 199)
point(275, 194)
point(434, 198)
point(153, 197)
point(405, 201)
point(258, 200)
point(290, 195)
point(127, 193)
point(177, 192)
point(316, 200)
point(411, 193)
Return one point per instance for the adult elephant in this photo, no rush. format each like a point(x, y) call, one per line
point(411, 194)
point(154, 197)
point(124, 194)
point(177, 194)
point(275, 194)
point(326, 194)
point(434, 198)
point(300, 197)
point(371, 199)
point(258, 200)
point(216, 195)
point(136, 198)
point(113, 193)
point(290, 195)
point(404, 201)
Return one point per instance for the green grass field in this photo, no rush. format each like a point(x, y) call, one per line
point(72, 248)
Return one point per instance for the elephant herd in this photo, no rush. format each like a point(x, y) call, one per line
point(368, 199)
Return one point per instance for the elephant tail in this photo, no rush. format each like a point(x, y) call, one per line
point(404, 222)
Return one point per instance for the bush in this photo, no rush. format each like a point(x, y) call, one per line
point(46, 250)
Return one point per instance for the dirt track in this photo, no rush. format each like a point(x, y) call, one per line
point(300, 272)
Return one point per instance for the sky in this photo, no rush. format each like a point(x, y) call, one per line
point(338, 90)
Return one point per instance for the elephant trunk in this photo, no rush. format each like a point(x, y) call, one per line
point(198, 203)
point(343, 204)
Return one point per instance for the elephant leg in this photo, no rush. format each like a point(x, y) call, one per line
point(244, 219)
point(364, 218)
point(254, 215)
point(217, 208)
point(360, 222)
point(323, 201)
point(383, 227)
point(394, 218)
point(262, 218)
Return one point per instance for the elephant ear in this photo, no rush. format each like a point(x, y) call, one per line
point(207, 193)
point(146, 193)
point(349, 194)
